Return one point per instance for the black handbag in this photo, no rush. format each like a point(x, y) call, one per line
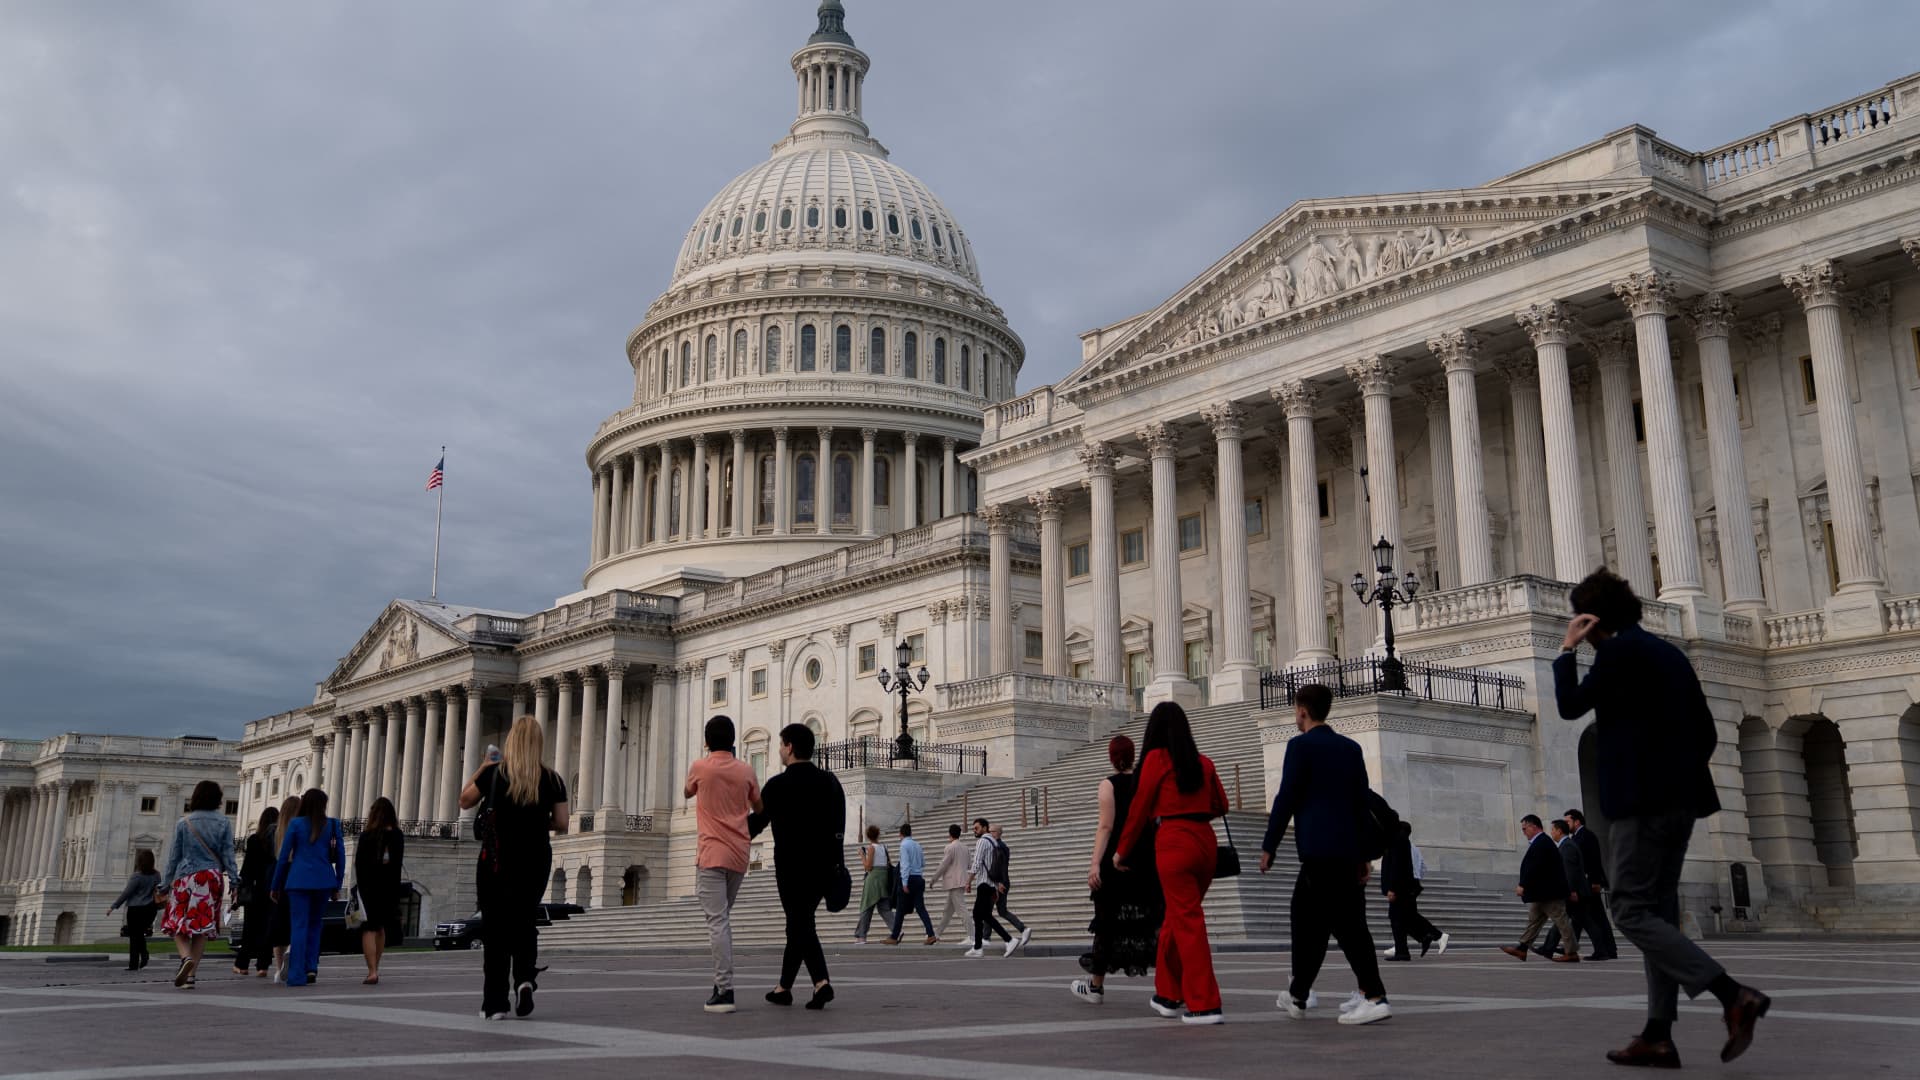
point(1226, 858)
point(839, 888)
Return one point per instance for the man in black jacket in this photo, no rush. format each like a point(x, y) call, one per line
point(1543, 885)
point(1654, 737)
point(1589, 914)
point(808, 812)
point(1400, 873)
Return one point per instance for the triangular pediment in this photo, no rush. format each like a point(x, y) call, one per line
point(397, 638)
point(1321, 253)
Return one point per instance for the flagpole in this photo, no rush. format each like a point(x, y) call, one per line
point(434, 591)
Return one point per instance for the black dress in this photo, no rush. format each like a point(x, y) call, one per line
point(376, 870)
point(1127, 907)
point(256, 872)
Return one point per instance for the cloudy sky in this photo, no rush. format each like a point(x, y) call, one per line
point(259, 260)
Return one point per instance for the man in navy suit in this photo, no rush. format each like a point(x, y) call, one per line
point(1654, 736)
point(1341, 825)
point(1543, 886)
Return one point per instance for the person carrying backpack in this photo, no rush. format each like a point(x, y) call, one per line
point(1003, 855)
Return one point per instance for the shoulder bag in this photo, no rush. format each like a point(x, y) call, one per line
point(486, 825)
point(1226, 858)
point(839, 888)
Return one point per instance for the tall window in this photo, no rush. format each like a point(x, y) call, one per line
point(713, 358)
point(673, 506)
point(910, 357)
point(726, 495)
point(843, 489)
point(739, 352)
point(803, 495)
point(766, 490)
point(666, 369)
point(807, 345)
point(877, 352)
point(940, 360)
point(842, 348)
point(966, 368)
point(770, 350)
point(686, 363)
point(882, 481)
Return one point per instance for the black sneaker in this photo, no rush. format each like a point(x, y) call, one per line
point(523, 999)
point(720, 1002)
point(779, 997)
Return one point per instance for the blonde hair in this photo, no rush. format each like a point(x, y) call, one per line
point(289, 809)
point(521, 761)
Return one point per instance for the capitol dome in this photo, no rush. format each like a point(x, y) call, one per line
point(819, 360)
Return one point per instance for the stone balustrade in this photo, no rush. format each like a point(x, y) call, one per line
point(1739, 629)
point(1796, 628)
point(782, 390)
point(1520, 595)
point(1903, 614)
point(1022, 688)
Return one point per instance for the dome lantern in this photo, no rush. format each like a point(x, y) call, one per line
point(829, 72)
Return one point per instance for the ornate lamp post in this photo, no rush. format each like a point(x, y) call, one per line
point(903, 680)
point(1387, 593)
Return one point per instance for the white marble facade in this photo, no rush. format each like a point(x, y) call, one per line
point(1697, 367)
point(74, 809)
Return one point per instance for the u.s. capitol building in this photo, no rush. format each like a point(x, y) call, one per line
point(1700, 368)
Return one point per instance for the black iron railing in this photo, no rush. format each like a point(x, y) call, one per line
point(1362, 677)
point(873, 751)
point(418, 830)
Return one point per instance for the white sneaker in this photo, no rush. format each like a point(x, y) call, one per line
point(493, 1016)
point(1025, 936)
point(966, 942)
point(1011, 946)
point(974, 954)
point(1354, 1001)
point(1086, 992)
point(1167, 1010)
point(1386, 952)
point(1298, 1012)
point(1368, 1012)
point(1440, 946)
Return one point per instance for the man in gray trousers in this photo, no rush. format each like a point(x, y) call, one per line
point(1654, 738)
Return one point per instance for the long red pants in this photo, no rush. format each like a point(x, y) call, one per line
point(1185, 853)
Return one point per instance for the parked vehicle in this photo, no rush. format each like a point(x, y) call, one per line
point(467, 933)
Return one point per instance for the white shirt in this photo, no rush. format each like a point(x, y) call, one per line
point(1419, 864)
point(982, 860)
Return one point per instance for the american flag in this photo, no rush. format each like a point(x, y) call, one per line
point(438, 474)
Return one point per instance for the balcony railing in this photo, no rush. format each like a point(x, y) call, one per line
point(417, 830)
point(1019, 686)
point(1522, 594)
point(876, 752)
point(1363, 677)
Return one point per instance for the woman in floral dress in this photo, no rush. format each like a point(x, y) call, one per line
point(199, 862)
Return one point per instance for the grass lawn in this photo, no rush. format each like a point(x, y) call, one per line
point(118, 946)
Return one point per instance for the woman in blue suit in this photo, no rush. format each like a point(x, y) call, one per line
point(312, 867)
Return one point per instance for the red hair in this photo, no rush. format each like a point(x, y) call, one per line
point(1120, 752)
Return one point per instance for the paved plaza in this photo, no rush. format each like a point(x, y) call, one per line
point(1839, 1009)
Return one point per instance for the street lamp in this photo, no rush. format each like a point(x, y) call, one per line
point(903, 680)
point(1387, 593)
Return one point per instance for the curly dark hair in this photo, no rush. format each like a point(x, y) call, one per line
point(1609, 598)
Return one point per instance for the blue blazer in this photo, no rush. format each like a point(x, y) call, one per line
point(306, 864)
point(1653, 732)
point(1324, 793)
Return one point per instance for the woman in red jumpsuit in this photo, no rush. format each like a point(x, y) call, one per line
point(1178, 785)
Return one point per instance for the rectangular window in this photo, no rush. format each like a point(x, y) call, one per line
point(256, 789)
point(233, 807)
point(719, 691)
point(918, 643)
point(758, 682)
point(1324, 492)
point(276, 788)
point(1082, 669)
point(867, 654)
point(1133, 547)
point(1036, 645)
point(1079, 561)
point(149, 804)
point(1809, 392)
point(1263, 649)
point(1192, 534)
point(1256, 517)
point(1137, 679)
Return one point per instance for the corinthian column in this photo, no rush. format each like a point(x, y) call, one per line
point(1170, 682)
point(999, 588)
point(1298, 401)
point(1612, 350)
point(561, 753)
point(636, 501)
point(1433, 393)
point(782, 486)
point(1712, 320)
point(1053, 582)
point(1550, 328)
point(1236, 678)
point(823, 483)
point(912, 509)
point(470, 748)
point(864, 497)
point(1530, 512)
point(447, 802)
point(743, 481)
point(694, 491)
point(949, 494)
point(610, 746)
point(348, 793)
point(616, 502)
point(1104, 562)
point(410, 762)
point(1459, 353)
point(1649, 297)
point(598, 544)
point(428, 796)
point(663, 494)
point(586, 789)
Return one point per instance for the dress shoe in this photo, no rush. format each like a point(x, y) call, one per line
point(1646, 1055)
point(1741, 1016)
point(1514, 951)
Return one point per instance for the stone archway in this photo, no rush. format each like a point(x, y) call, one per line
point(583, 886)
point(64, 926)
point(557, 888)
point(1799, 802)
point(1830, 800)
point(631, 883)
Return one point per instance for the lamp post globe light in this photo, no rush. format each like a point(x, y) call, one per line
point(1387, 593)
point(903, 680)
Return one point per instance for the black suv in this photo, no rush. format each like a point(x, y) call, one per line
point(467, 933)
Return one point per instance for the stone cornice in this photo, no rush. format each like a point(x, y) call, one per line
point(1812, 192)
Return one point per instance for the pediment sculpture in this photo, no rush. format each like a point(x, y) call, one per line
point(402, 645)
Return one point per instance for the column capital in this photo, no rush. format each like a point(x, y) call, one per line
point(1612, 345)
point(562, 680)
point(736, 658)
point(541, 689)
point(662, 675)
point(1580, 382)
point(780, 433)
point(1374, 374)
point(841, 632)
point(1339, 444)
point(699, 440)
point(825, 432)
point(1297, 399)
point(1049, 504)
point(1097, 457)
point(1911, 245)
point(999, 518)
point(1647, 292)
point(1819, 284)
point(1161, 439)
point(777, 648)
point(1228, 420)
point(474, 687)
point(615, 670)
point(947, 443)
point(520, 695)
point(1355, 415)
point(868, 434)
point(589, 677)
point(1712, 315)
point(739, 434)
point(1432, 393)
point(1457, 350)
point(1871, 304)
point(937, 612)
point(1546, 323)
point(909, 437)
point(1520, 369)
point(341, 724)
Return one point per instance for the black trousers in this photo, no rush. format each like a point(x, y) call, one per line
point(256, 936)
point(1589, 917)
point(984, 924)
point(800, 896)
point(1403, 915)
point(509, 908)
point(1000, 905)
point(1330, 899)
point(139, 925)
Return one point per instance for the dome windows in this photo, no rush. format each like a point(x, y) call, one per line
point(770, 350)
point(915, 223)
point(843, 348)
point(786, 218)
point(717, 226)
point(738, 222)
point(813, 217)
point(808, 345)
point(877, 352)
point(866, 219)
point(839, 217)
point(893, 223)
point(936, 238)
point(940, 360)
point(760, 221)
point(910, 356)
point(966, 368)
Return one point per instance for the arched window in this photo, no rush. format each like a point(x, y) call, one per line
point(726, 494)
point(713, 358)
point(973, 492)
point(803, 483)
point(882, 481)
point(966, 368)
point(739, 352)
point(866, 219)
point(760, 224)
point(910, 355)
point(940, 360)
point(717, 226)
point(937, 242)
point(770, 350)
point(666, 369)
point(766, 490)
point(893, 224)
point(738, 221)
point(686, 363)
point(807, 348)
point(914, 222)
point(843, 348)
point(839, 217)
point(673, 506)
point(877, 352)
point(843, 489)
point(813, 217)
point(786, 218)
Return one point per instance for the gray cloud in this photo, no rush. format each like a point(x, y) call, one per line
point(259, 261)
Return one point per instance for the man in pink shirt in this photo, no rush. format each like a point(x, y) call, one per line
point(724, 790)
